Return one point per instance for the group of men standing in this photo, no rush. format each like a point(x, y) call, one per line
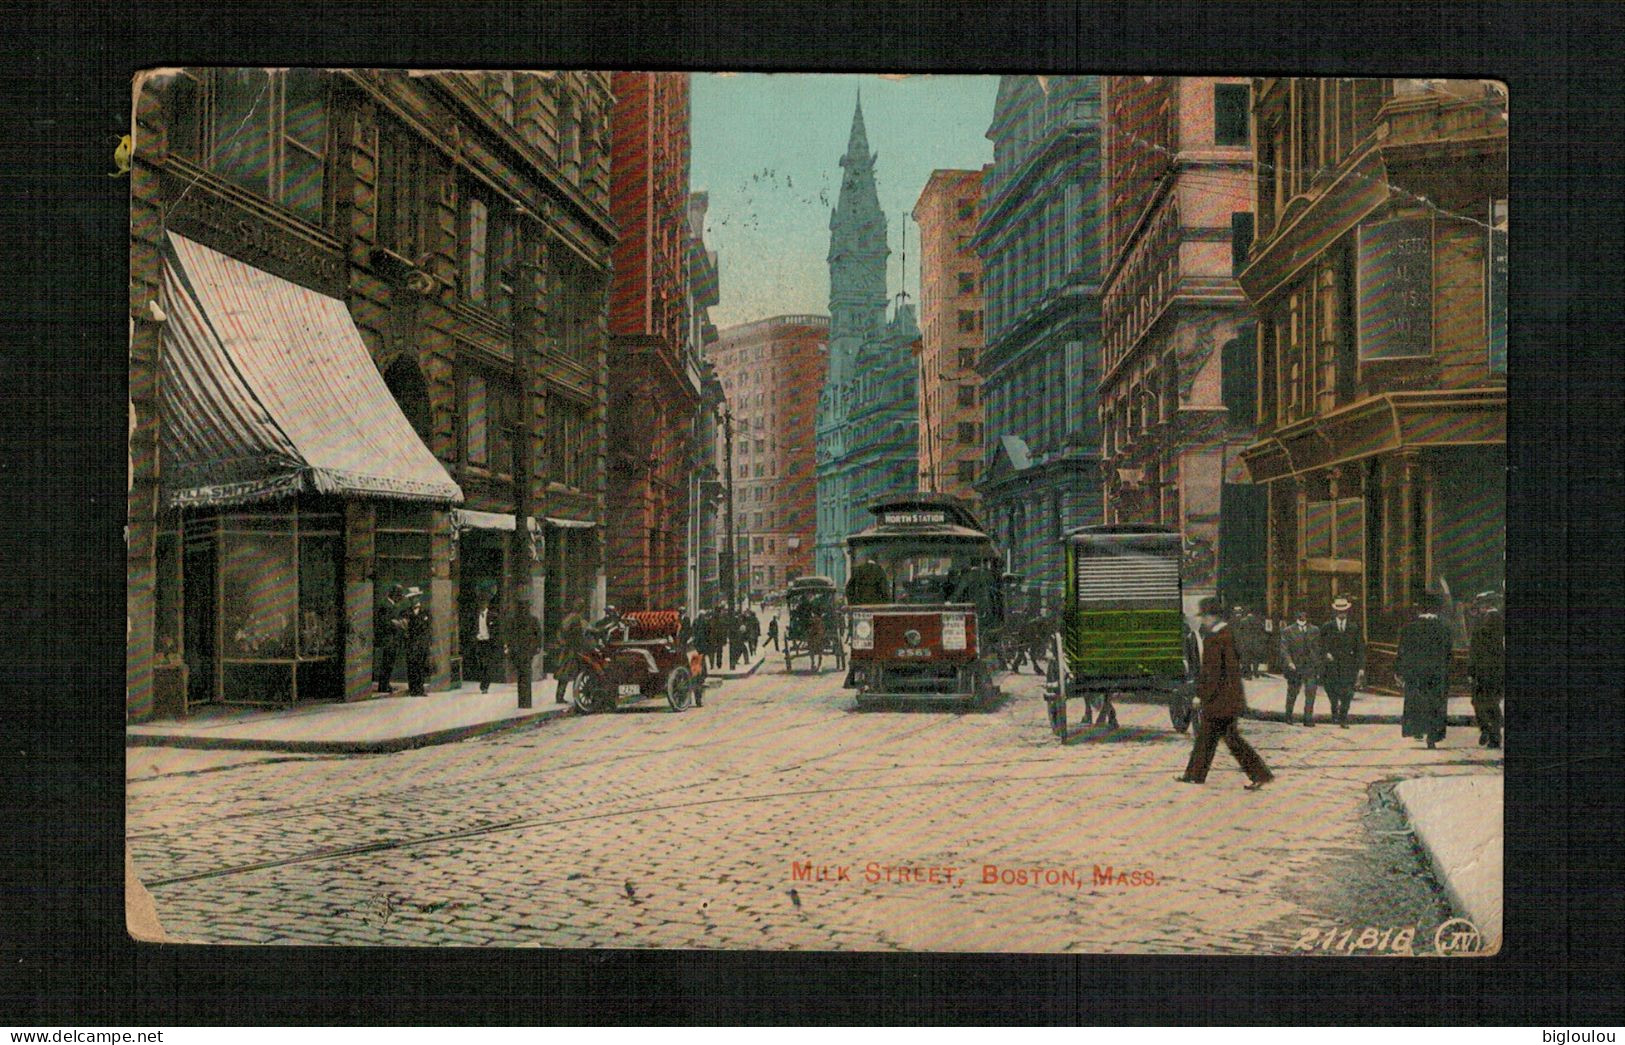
point(717, 632)
point(1333, 654)
point(401, 624)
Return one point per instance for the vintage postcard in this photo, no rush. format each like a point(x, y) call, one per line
point(855, 512)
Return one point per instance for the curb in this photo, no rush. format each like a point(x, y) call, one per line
point(346, 747)
point(747, 673)
point(1322, 717)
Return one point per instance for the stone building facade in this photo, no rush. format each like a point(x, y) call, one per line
point(1379, 276)
point(705, 486)
point(1040, 238)
point(654, 382)
point(951, 314)
point(771, 373)
point(358, 299)
point(1175, 320)
point(867, 444)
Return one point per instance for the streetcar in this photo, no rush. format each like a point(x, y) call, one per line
point(1123, 627)
point(924, 603)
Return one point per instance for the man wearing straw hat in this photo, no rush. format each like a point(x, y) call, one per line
point(1344, 647)
point(417, 642)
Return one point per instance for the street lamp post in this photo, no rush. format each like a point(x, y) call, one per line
point(728, 488)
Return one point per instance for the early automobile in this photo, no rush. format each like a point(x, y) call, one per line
point(923, 602)
point(636, 657)
point(1123, 627)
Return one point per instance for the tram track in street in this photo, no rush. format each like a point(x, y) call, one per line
point(549, 821)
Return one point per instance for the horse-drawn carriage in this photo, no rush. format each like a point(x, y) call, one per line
point(1123, 630)
point(814, 606)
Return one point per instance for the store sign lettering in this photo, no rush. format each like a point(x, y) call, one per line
point(257, 242)
point(1395, 274)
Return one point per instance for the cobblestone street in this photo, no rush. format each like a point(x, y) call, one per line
point(651, 829)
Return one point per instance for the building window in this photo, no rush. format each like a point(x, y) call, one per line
point(1230, 113)
point(967, 320)
point(967, 282)
point(967, 359)
point(966, 209)
point(967, 471)
point(262, 131)
point(402, 169)
point(1496, 287)
point(967, 395)
point(569, 424)
point(967, 433)
point(569, 134)
point(488, 252)
point(476, 421)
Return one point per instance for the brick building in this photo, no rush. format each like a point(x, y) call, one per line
point(1176, 324)
point(951, 334)
point(654, 387)
point(1379, 276)
point(357, 299)
point(771, 373)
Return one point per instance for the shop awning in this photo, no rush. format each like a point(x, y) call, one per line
point(571, 524)
point(465, 519)
point(268, 391)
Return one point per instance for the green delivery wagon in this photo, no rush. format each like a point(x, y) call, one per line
point(1123, 627)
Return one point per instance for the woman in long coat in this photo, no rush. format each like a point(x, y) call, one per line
point(1423, 666)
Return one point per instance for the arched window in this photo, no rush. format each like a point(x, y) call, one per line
point(411, 393)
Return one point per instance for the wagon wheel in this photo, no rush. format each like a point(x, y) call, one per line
point(680, 689)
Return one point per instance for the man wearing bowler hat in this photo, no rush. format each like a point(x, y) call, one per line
point(1219, 692)
point(1344, 647)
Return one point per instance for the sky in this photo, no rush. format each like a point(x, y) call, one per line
point(767, 148)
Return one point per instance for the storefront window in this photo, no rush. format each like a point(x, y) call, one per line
point(260, 596)
point(167, 602)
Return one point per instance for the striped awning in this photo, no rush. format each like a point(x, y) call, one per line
point(267, 391)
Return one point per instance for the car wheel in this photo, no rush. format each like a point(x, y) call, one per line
point(680, 689)
point(580, 693)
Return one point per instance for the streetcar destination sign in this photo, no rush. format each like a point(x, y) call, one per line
point(913, 518)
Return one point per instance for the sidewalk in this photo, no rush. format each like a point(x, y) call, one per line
point(379, 725)
point(1266, 699)
point(1458, 823)
point(375, 726)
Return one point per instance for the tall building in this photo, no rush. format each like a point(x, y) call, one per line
point(358, 301)
point(654, 382)
point(1039, 238)
point(1379, 276)
point(1177, 325)
point(771, 372)
point(867, 444)
point(949, 389)
point(705, 486)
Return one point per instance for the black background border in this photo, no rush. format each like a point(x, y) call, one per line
point(64, 82)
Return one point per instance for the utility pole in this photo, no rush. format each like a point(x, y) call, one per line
point(728, 461)
point(522, 548)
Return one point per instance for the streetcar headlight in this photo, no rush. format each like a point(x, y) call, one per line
point(863, 631)
point(953, 631)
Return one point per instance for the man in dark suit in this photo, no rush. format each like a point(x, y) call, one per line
point(416, 618)
point(488, 644)
point(1344, 646)
point(1422, 665)
point(1301, 661)
point(388, 634)
point(1486, 659)
point(1219, 693)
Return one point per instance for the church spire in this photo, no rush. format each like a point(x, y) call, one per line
point(857, 143)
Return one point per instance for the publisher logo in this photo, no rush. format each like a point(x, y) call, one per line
point(1457, 937)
